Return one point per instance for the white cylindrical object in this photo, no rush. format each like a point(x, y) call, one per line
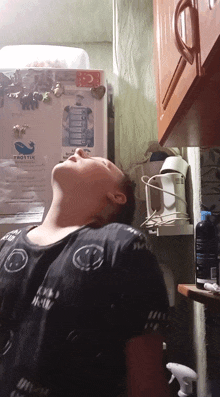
point(174, 164)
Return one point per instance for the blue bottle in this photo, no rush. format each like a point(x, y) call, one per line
point(206, 250)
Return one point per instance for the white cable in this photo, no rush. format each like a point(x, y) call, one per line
point(154, 218)
point(145, 176)
point(164, 222)
point(149, 218)
point(157, 224)
point(162, 190)
point(168, 222)
point(173, 213)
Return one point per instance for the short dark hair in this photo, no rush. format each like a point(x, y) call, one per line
point(120, 213)
point(125, 213)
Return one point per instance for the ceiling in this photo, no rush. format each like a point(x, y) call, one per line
point(55, 21)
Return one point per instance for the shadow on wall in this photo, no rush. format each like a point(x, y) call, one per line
point(169, 281)
point(210, 197)
point(210, 183)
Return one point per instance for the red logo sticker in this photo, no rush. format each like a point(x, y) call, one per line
point(88, 79)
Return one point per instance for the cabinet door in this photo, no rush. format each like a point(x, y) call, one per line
point(209, 25)
point(176, 57)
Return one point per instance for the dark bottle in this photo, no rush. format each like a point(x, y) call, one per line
point(206, 250)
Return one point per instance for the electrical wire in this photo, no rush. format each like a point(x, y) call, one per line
point(165, 222)
point(162, 190)
point(155, 218)
point(149, 218)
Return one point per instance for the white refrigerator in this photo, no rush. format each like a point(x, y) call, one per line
point(45, 114)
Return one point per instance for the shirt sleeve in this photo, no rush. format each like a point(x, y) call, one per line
point(144, 304)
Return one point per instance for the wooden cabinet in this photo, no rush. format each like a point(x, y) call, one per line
point(209, 25)
point(183, 43)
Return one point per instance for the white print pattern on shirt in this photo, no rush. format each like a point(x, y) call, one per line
point(88, 257)
point(26, 386)
point(16, 261)
point(154, 320)
point(72, 336)
point(45, 298)
point(133, 231)
point(138, 245)
point(10, 236)
point(8, 344)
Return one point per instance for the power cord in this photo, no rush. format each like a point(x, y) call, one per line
point(162, 222)
point(162, 190)
point(157, 220)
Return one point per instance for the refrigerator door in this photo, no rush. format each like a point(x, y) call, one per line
point(45, 114)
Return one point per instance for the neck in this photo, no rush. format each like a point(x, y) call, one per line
point(61, 219)
point(63, 215)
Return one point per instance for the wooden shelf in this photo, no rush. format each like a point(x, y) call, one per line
point(211, 300)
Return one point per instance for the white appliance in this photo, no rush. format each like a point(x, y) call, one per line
point(165, 199)
point(45, 114)
point(165, 195)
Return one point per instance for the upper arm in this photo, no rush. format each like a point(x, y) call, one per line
point(145, 303)
point(144, 297)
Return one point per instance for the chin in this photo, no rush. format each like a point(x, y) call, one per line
point(64, 173)
point(56, 169)
point(57, 166)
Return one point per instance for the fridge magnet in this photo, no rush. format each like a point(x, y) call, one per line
point(15, 95)
point(24, 149)
point(16, 130)
point(78, 121)
point(98, 92)
point(46, 97)
point(58, 90)
point(23, 129)
point(30, 100)
point(88, 78)
point(19, 131)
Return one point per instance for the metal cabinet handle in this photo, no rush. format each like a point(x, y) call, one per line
point(186, 52)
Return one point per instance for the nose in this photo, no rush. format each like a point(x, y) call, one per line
point(81, 153)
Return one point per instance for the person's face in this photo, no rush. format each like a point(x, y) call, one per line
point(94, 176)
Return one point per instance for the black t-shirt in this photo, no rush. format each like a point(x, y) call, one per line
point(67, 309)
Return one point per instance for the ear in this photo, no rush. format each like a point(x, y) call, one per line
point(117, 197)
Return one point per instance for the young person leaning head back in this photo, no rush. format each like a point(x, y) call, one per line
point(83, 301)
